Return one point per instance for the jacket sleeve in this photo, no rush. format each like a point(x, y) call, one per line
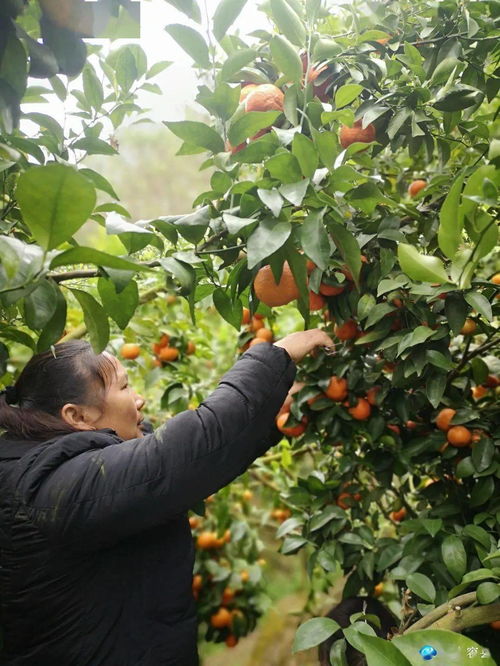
point(104, 494)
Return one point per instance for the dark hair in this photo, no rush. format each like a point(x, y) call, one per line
point(342, 612)
point(68, 372)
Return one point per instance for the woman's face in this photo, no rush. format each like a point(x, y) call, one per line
point(122, 406)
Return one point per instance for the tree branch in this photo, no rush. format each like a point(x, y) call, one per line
point(454, 617)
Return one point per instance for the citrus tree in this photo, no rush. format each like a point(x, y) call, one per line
point(354, 154)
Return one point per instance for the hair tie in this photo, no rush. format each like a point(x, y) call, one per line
point(11, 397)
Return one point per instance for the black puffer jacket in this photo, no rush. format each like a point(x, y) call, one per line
point(96, 551)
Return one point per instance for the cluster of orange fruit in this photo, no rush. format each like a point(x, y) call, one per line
point(163, 351)
point(281, 514)
point(456, 435)
point(255, 324)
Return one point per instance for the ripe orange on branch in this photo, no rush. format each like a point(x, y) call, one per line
point(416, 186)
point(444, 417)
point(337, 389)
point(346, 331)
point(330, 290)
point(221, 619)
point(168, 354)
point(459, 436)
point(316, 301)
point(272, 293)
point(265, 97)
point(361, 411)
point(356, 134)
point(130, 351)
point(290, 431)
point(469, 327)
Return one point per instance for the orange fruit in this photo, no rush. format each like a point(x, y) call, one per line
point(336, 389)
point(265, 97)
point(168, 354)
point(231, 641)
point(459, 436)
point(341, 500)
point(469, 327)
point(378, 590)
point(221, 619)
point(227, 536)
point(496, 278)
point(416, 186)
point(330, 290)
point(193, 522)
point(130, 351)
point(382, 40)
point(247, 495)
point(371, 395)
point(190, 348)
point(261, 562)
point(444, 417)
point(256, 324)
point(395, 428)
point(411, 425)
point(479, 391)
point(361, 411)
point(291, 431)
point(356, 134)
point(265, 334)
point(246, 90)
point(398, 516)
point(245, 316)
point(316, 301)
point(244, 576)
point(495, 625)
point(272, 293)
point(197, 582)
point(206, 540)
point(492, 381)
point(170, 299)
point(227, 596)
point(347, 331)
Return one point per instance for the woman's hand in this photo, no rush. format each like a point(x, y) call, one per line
point(301, 343)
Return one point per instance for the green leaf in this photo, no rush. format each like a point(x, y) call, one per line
point(482, 454)
point(294, 192)
point(456, 310)
point(443, 70)
point(92, 87)
point(306, 154)
point(378, 651)
point(40, 304)
point(99, 182)
point(158, 68)
point(55, 201)
point(487, 593)
point(120, 306)
point(439, 360)
point(192, 42)
point(451, 219)
point(70, 51)
point(189, 7)
point(93, 146)
point(435, 387)
point(479, 303)
point(452, 648)
point(314, 239)
point(286, 58)
point(365, 304)
point(95, 319)
point(235, 61)
point(454, 556)
point(422, 586)
point(288, 22)
point(272, 199)
point(424, 268)
point(285, 167)
point(249, 124)
point(54, 328)
point(198, 134)
point(182, 272)
point(230, 311)
point(397, 122)
point(221, 102)
point(268, 237)
point(461, 97)
point(347, 94)
point(87, 255)
point(236, 224)
point(313, 632)
point(348, 247)
point(225, 15)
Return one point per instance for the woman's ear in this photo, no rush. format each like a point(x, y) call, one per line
point(77, 416)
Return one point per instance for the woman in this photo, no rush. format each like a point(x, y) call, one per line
point(96, 552)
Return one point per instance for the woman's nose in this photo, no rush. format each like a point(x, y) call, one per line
point(139, 402)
